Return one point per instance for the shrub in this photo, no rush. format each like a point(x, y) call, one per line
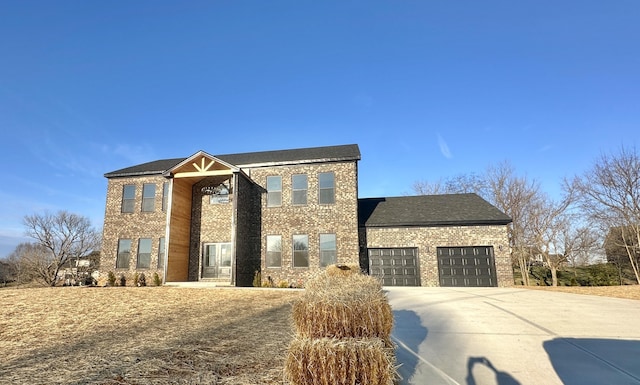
point(123, 280)
point(283, 284)
point(257, 279)
point(136, 279)
point(142, 280)
point(156, 279)
point(111, 279)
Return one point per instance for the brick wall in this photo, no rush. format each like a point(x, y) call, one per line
point(135, 225)
point(427, 239)
point(311, 219)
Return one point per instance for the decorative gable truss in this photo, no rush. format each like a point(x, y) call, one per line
point(201, 165)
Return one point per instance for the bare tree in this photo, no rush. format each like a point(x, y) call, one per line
point(64, 236)
point(550, 220)
point(459, 184)
point(28, 260)
point(609, 193)
point(580, 244)
point(517, 197)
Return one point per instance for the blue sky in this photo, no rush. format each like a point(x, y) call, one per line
point(428, 89)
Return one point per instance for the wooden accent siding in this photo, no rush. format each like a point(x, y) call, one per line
point(179, 232)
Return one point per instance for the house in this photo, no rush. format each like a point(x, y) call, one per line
point(287, 214)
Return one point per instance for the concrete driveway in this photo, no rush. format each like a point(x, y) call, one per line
point(509, 336)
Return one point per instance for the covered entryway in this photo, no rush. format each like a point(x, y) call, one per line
point(472, 266)
point(396, 266)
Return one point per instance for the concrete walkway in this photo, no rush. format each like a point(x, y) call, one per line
point(510, 336)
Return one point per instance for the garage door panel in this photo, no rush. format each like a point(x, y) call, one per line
point(468, 266)
point(396, 266)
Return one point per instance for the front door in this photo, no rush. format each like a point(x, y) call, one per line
point(216, 260)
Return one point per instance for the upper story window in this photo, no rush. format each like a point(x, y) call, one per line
point(165, 195)
point(274, 251)
point(148, 197)
point(274, 191)
point(326, 188)
point(124, 254)
point(144, 253)
point(128, 198)
point(299, 186)
point(327, 249)
point(300, 251)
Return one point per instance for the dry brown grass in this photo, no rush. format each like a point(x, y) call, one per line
point(143, 336)
point(627, 291)
point(340, 361)
point(349, 306)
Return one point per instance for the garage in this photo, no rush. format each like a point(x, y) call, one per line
point(472, 266)
point(396, 266)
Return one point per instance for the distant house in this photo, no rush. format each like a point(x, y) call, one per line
point(287, 214)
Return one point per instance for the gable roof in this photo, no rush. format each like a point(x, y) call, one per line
point(348, 152)
point(428, 211)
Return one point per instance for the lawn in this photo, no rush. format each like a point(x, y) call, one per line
point(156, 335)
point(151, 335)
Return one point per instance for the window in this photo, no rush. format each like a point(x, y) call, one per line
point(148, 197)
point(128, 198)
point(161, 252)
point(327, 249)
point(144, 253)
point(300, 251)
point(124, 254)
point(274, 251)
point(326, 188)
point(299, 187)
point(165, 195)
point(274, 191)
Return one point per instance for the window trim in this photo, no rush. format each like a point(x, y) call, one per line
point(161, 252)
point(335, 249)
point(295, 190)
point(126, 262)
point(165, 196)
point(266, 262)
point(147, 255)
point(332, 188)
point(293, 251)
point(269, 192)
point(146, 199)
point(128, 201)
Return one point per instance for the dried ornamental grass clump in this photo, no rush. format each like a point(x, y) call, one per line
point(333, 361)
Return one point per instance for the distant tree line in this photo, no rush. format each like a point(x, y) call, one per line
point(596, 216)
point(64, 250)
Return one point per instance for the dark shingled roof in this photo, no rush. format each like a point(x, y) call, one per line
point(253, 159)
point(429, 210)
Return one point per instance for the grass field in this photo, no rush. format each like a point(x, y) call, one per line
point(156, 335)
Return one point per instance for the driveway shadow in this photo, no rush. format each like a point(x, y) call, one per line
point(408, 333)
point(584, 361)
